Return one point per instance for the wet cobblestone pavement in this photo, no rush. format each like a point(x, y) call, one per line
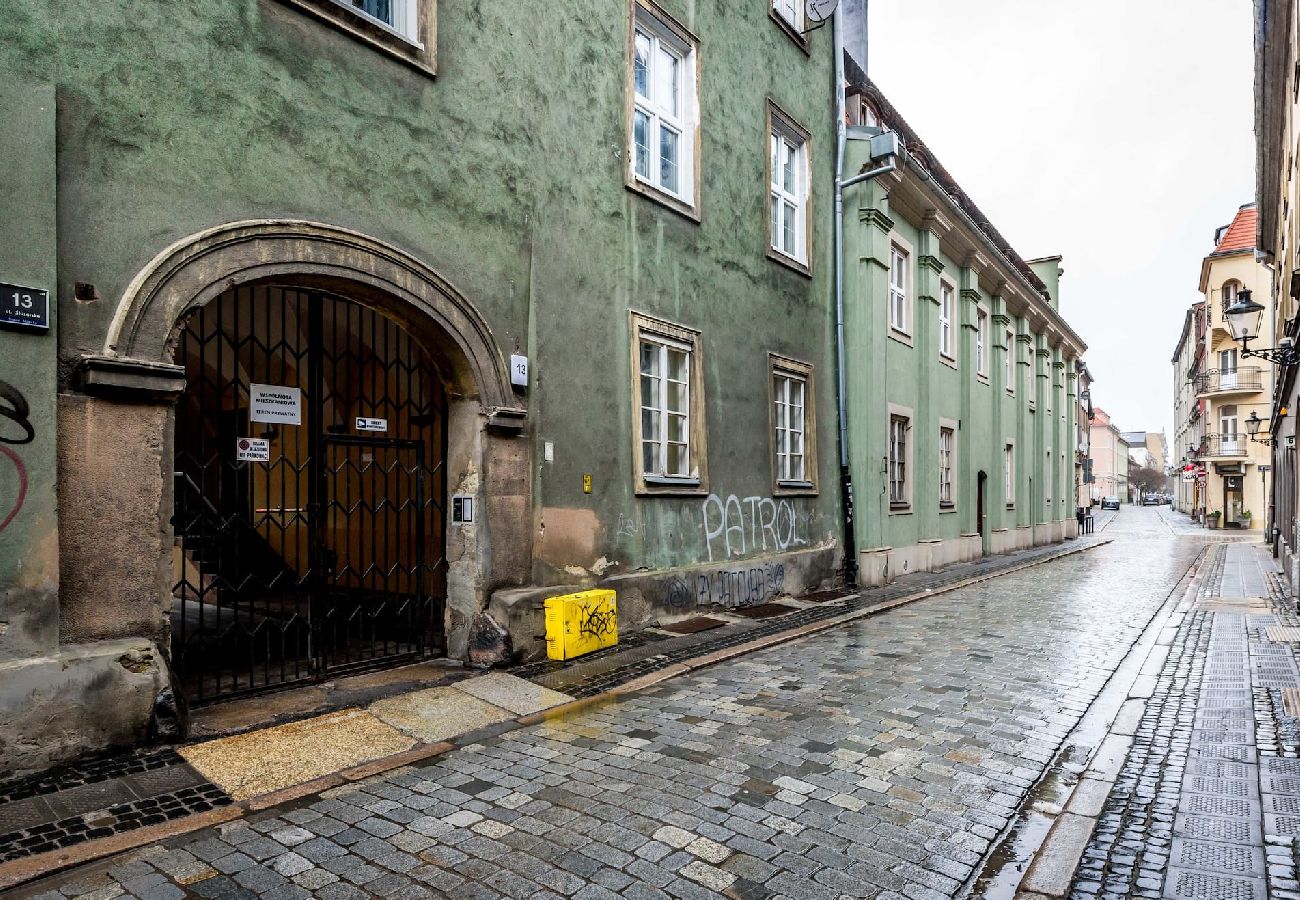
point(880, 759)
point(1207, 804)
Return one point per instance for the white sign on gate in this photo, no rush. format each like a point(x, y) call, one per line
point(275, 403)
point(364, 424)
point(253, 450)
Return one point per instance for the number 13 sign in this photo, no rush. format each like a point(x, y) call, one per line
point(24, 308)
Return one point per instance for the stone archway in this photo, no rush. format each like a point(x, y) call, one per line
point(116, 433)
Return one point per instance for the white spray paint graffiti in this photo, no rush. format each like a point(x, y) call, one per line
point(750, 525)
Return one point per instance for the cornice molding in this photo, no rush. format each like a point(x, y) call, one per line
point(873, 216)
point(930, 262)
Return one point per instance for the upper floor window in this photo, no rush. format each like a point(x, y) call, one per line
point(662, 152)
point(790, 11)
point(899, 485)
point(788, 188)
point(899, 307)
point(982, 343)
point(1010, 362)
point(1009, 473)
point(400, 15)
point(405, 30)
point(947, 303)
point(1228, 296)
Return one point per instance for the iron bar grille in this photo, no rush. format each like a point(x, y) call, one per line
point(330, 554)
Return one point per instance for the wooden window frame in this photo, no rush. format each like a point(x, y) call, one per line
point(949, 426)
point(904, 335)
point(645, 15)
point(1010, 362)
point(785, 366)
point(647, 327)
point(419, 51)
point(904, 414)
point(948, 307)
point(983, 336)
point(1009, 473)
point(781, 124)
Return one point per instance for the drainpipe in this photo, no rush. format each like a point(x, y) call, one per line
point(841, 136)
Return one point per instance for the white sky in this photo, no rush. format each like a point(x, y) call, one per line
point(1117, 134)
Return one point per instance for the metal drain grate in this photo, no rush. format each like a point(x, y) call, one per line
point(1221, 857)
point(1199, 886)
point(1223, 737)
point(1217, 769)
point(1276, 766)
point(1285, 785)
point(1283, 634)
point(1223, 787)
point(1287, 826)
point(1210, 752)
point(1217, 829)
point(1209, 805)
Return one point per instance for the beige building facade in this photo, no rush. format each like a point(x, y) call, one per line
point(1109, 454)
point(1189, 413)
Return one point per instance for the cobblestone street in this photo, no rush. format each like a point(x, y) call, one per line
point(885, 758)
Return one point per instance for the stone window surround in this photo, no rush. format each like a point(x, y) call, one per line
point(903, 335)
point(903, 412)
point(656, 18)
point(781, 122)
point(420, 54)
point(654, 327)
point(1009, 472)
point(984, 314)
point(780, 364)
point(954, 322)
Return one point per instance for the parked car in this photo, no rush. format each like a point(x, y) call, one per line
point(1152, 500)
point(1110, 503)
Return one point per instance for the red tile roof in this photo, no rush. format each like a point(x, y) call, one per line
point(1240, 235)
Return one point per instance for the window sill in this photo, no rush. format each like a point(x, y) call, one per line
point(420, 56)
point(800, 40)
point(947, 508)
point(795, 489)
point(785, 259)
point(663, 198)
point(949, 361)
point(901, 336)
point(900, 509)
point(660, 484)
point(1011, 506)
point(982, 379)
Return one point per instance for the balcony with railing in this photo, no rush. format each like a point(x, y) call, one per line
point(1223, 445)
point(1244, 379)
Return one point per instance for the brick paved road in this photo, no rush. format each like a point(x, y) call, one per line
point(881, 759)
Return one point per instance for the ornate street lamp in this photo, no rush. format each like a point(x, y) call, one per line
point(1244, 317)
point(1253, 424)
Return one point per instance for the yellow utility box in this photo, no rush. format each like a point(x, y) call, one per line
point(580, 623)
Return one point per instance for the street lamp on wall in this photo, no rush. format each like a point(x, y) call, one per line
point(1244, 317)
point(1253, 424)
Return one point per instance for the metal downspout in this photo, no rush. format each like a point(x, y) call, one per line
point(846, 476)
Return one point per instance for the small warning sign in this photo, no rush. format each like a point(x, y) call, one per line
point(371, 424)
point(253, 450)
point(275, 403)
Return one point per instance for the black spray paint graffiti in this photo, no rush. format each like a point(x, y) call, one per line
point(17, 411)
point(740, 587)
point(597, 621)
point(679, 594)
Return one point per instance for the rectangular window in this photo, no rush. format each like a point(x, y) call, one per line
point(790, 11)
point(899, 313)
point(789, 393)
point(788, 187)
point(1047, 479)
point(946, 438)
point(668, 437)
point(898, 461)
point(1010, 362)
point(1009, 473)
point(947, 302)
point(662, 141)
point(405, 30)
point(982, 342)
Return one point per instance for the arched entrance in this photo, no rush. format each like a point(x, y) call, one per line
point(310, 492)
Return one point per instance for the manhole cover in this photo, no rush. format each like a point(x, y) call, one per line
point(1204, 804)
point(694, 626)
point(762, 610)
point(826, 596)
point(1199, 886)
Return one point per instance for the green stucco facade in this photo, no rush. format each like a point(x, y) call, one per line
point(1030, 404)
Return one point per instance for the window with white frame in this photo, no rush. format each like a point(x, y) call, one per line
point(790, 11)
point(665, 408)
point(947, 438)
point(788, 187)
point(663, 91)
point(1009, 473)
point(1047, 479)
point(789, 397)
point(898, 426)
point(982, 342)
point(1228, 296)
point(401, 16)
point(947, 304)
point(899, 312)
point(1010, 362)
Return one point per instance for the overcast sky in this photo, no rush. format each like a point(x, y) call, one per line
point(1117, 134)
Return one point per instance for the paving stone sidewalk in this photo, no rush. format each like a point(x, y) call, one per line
point(1207, 804)
point(879, 759)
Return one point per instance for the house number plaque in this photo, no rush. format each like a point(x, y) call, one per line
point(24, 308)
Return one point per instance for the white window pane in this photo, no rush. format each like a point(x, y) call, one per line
point(776, 161)
point(787, 229)
point(641, 142)
point(650, 392)
point(677, 364)
point(650, 423)
point(677, 460)
point(676, 397)
point(677, 428)
point(776, 220)
point(641, 65)
point(651, 458)
point(788, 167)
point(649, 358)
point(668, 150)
point(667, 74)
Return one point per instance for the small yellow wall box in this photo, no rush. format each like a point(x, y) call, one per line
point(580, 623)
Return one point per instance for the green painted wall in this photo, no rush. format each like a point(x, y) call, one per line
point(1037, 416)
point(29, 559)
point(505, 173)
